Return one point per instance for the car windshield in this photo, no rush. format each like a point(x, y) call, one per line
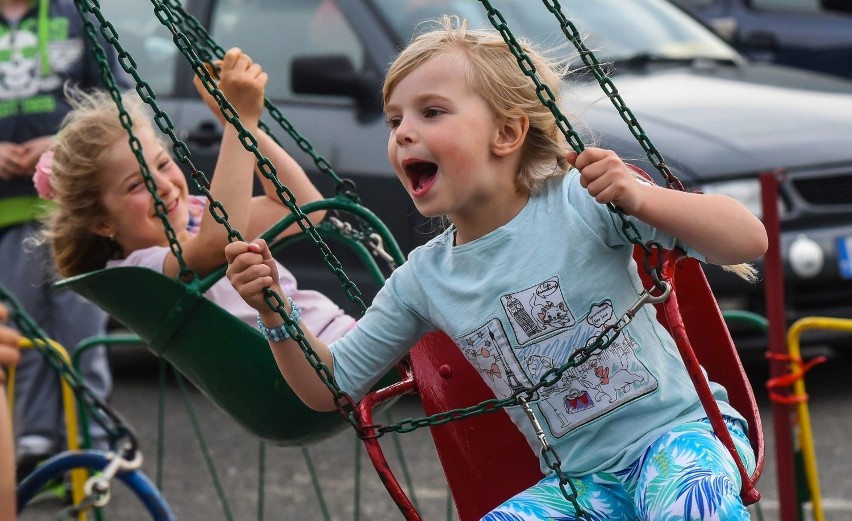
point(616, 30)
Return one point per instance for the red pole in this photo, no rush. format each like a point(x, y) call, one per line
point(776, 314)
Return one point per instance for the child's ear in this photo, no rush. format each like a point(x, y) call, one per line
point(103, 229)
point(511, 134)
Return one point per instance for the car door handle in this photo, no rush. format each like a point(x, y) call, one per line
point(761, 41)
point(206, 134)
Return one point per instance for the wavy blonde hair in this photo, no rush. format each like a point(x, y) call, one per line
point(492, 72)
point(80, 147)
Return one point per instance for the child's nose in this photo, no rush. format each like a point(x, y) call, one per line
point(405, 132)
point(163, 183)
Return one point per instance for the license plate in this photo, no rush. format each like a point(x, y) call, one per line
point(844, 256)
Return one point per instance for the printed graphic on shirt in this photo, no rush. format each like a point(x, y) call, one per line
point(490, 353)
point(537, 311)
point(21, 69)
point(607, 380)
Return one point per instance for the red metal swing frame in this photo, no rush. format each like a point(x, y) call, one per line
point(486, 459)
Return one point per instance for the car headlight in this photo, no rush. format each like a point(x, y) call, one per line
point(746, 191)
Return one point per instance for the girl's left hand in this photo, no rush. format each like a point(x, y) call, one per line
point(607, 178)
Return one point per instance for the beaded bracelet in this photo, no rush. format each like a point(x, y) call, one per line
point(277, 334)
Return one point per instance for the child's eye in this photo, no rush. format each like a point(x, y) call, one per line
point(394, 122)
point(432, 113)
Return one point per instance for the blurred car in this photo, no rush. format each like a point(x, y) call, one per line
point(808, 34)
point(718, 119)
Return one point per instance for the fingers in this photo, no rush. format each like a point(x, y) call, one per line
point(10, 339)
point(606, 177)
point(251, 269)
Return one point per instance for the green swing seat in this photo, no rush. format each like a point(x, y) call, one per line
point(226, 359)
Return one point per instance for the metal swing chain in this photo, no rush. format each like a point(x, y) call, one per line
point(344, 403)
point(208, 49)
point(169, 19)
point(548, 99)
point(116, 428)
point(608, 87)
point(166, 16)
point(551, 458)
point(92, 7)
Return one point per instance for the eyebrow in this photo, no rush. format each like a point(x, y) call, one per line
point(422, 99)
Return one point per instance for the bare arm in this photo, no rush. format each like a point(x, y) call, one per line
point(268, 209)
point(251, 269)
point(719, 227)
point(243, 83)
point(9, 340)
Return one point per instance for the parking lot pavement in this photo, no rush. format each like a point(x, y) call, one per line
point(289, 493)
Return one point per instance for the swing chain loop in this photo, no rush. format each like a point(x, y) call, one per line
point(97, 487)
point(343, 227)
point(373, 240)
point(112, 422)
point(552, 460)
point(377, 247)
point(647, 297)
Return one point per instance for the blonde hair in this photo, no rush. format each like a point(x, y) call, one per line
point(493, 72)
point(80, 147)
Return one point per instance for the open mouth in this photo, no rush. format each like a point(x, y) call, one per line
point(421, 175)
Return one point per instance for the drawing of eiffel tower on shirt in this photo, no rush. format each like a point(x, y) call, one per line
point(511, 379)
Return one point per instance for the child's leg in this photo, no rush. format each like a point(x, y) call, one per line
point(688, 474)
point(600, 496)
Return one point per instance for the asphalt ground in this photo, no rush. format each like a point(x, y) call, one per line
point(290, 494)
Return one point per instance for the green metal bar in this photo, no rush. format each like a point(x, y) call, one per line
point(261, 479)
point(335, 203)
point(746, 317)
point(315, 482)
point(202, 444)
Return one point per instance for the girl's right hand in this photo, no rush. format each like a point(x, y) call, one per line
point(252, 269)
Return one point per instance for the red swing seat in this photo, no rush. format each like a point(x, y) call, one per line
point(487, 460)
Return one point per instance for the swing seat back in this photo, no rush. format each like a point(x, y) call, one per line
point(486, 459)
point(226, 359)
point(696, 323)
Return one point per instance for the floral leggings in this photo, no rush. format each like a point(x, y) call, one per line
point(686, 474)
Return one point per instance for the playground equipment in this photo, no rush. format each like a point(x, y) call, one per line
point(174, 332)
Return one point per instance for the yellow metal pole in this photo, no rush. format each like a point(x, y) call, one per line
point(78, 476)
point(806, 440)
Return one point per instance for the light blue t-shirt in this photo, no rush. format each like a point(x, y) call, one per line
point(519, 301)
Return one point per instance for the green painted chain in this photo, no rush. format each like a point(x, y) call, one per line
point(168, 18)
point(128, 64)
point(547, 98)
point(208, 49)
point(111, 421)
point(608, 87)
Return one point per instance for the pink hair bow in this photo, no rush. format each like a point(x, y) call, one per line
point(43, 172)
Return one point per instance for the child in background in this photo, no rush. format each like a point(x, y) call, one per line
point(532, 268)
point(105, 216)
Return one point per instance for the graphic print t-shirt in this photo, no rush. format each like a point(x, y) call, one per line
point(522, 300)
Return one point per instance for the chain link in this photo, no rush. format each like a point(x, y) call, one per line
point(116, 429)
